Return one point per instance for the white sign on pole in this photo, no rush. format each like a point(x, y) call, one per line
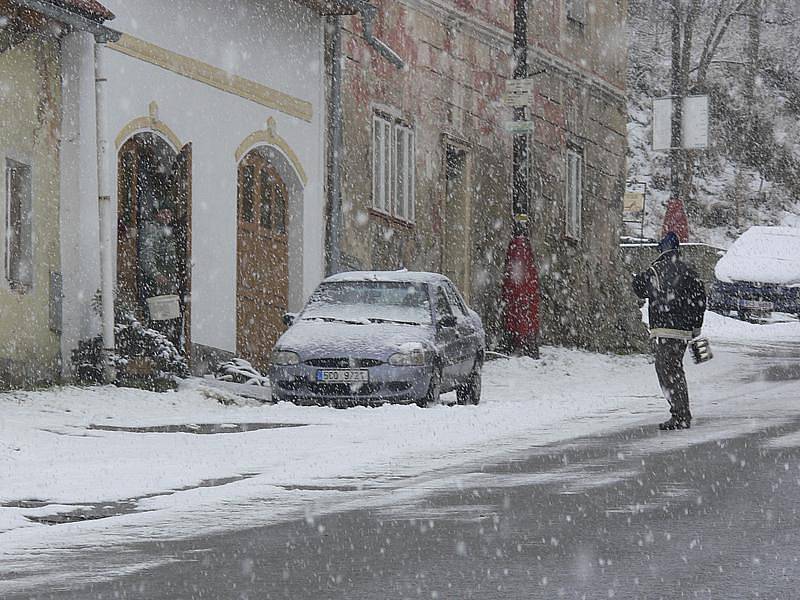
point(519, 92)
point(694, 123)
point(662, 123)
point(518, 127)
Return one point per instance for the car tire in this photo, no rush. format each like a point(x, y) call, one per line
point(470, 391)
point(434, 389)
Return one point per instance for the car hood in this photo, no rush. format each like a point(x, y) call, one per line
point(314, 338)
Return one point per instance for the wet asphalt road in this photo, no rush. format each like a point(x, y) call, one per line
point(636, 514)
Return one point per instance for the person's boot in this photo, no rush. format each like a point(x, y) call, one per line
point(675, 423)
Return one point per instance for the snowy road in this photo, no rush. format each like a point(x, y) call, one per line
point(627, 515)
point(574, 430)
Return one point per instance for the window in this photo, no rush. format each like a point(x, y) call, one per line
point(267, 190)
point(262, 196)
point(393, 167)
point(248, 193)
point(19, 240)
point(456, 299)
point(404, 178)
point(576, 11)
point(442, 305)
point(574, 193)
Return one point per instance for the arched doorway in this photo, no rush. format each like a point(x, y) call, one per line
point(262, 257)
point(152, 176)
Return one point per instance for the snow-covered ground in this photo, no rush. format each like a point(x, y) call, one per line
point(54, 459)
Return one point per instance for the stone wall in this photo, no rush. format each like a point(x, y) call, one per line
point(458, 61)
point(459, 57)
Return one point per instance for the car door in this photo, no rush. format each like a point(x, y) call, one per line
point(447, 340)
point(467, 334)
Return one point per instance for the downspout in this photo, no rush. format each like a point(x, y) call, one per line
point(105, 212)
point(368, 14)
point(335, 151)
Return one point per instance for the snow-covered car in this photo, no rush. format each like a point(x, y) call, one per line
point(373, 337)
point(759, 275)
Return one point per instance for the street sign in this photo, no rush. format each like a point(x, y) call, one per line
point(518, 127)
point(519, 92)
point(694, 123)
point(633, 205)
point(633, 202)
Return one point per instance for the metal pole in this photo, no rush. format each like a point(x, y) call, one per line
point(334, 234)
point(521, 189)
point(105, 211)
point(676, 152)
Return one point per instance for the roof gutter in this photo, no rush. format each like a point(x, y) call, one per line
point(368, 13)
point(101, 33)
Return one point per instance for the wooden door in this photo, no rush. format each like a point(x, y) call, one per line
point(456, 240)
point(130, 158)
point(262, 259)
point(149, 172)
point(179, 191)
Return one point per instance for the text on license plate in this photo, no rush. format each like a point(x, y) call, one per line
point(343, 375)
point(756, 304)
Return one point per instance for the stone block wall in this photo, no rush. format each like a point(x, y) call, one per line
point(459, 55)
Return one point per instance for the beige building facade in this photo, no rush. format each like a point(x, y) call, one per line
point(30, 287)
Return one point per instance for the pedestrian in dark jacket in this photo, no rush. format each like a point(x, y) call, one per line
point(677, 303)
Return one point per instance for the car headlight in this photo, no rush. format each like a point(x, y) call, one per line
point(412, 358)
point(285, 358)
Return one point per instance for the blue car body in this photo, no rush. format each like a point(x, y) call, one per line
point(759, 274)
point(345, 354)
point(746, 298)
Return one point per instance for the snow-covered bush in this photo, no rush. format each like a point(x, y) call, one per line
point(142, 357)
point(239, 370)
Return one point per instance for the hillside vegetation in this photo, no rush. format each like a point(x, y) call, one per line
point(745, 54)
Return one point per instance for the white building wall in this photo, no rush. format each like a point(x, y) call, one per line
point(80, 255)
point(278, 44)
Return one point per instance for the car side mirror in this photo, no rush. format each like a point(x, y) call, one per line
point(289, 318)
point(448, 321)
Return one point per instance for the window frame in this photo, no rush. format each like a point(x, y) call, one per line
point(24, 238)
point(393, 143)
point(573, 204)
point(406, 176)
point(380, 160)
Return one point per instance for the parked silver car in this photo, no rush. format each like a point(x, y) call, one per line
point(372, 337)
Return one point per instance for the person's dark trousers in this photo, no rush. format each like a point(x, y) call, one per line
point(669, 368)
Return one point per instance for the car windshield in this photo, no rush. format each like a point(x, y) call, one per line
point(370, 302)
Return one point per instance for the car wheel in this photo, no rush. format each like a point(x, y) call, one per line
point(470, 391)
point(434, 389)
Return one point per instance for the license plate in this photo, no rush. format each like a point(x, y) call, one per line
point(343, 375)
point(757, 305)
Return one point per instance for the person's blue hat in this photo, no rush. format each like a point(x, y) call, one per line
point(670, 242)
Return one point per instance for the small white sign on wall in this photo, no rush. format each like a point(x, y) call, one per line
point(694, 123)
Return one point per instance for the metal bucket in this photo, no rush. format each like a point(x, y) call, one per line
point(164, 308)
point(701, 350)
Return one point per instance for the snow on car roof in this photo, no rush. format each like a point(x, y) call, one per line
point(763, 254)
point(392, 276)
